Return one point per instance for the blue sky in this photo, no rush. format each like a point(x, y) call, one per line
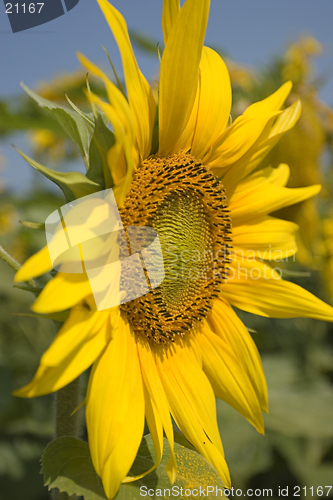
point(249, 31)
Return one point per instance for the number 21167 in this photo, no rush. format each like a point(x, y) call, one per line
point(29, 8)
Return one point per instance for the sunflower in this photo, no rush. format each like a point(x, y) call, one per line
point(185, 170)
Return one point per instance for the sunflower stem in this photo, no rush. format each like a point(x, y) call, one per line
point(68, 421)
point(6, 257)
point(67, 400)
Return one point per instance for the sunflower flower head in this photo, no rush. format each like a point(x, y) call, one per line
point(180, 167)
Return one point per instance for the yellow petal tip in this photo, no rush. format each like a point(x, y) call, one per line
point(21, 276)
point(24, 392)
point(171, 469)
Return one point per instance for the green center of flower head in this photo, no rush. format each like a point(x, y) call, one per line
point(186, 205)
point(183, 226)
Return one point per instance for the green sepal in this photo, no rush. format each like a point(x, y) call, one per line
point(73, 184)
point(120, 86)
point(59, 316)
point(89, 118)
point(102, 140)
point(27, 288)
point(155, 138)
point(72, 123)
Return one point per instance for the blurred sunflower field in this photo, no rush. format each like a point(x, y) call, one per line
point(297, 354)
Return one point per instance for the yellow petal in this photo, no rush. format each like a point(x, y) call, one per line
point(115, 409)
point(180, 71)
point(156, 393)
point(271, 134)
point(230, 381)
point(123, 156)
point(81, 325)
point(122, 152)
point(241, 269)
point(257, 111)
point(77, 345)
point(117, 101)
point(237, 140)
point(211, 108)
point(155, 426)
point(169, 16)
point(185, 140)
point(247, 205)
point(62, 292)
point(286, 120)
point(227, 325)
point(39, 263)
point(270, 103)
point(278, 176)
point(140, 96)
point(156, 431)
point(192, 401)
point(268, 238)
point(214, 102)
point(257, 288)
point(263, 114)
point(117, 163)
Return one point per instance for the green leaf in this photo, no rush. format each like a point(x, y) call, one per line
point(66, 465)
point(73, 184)
point(25, 117)
point(73, 124)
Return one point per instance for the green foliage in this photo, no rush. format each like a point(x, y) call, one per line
point(193, 470)
point(25, 425)
point(78, 129)
point(24, 115)
point(298, 408)
point(93, 139)
point(67, 465)
point(73, 184)
point(298, 442)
